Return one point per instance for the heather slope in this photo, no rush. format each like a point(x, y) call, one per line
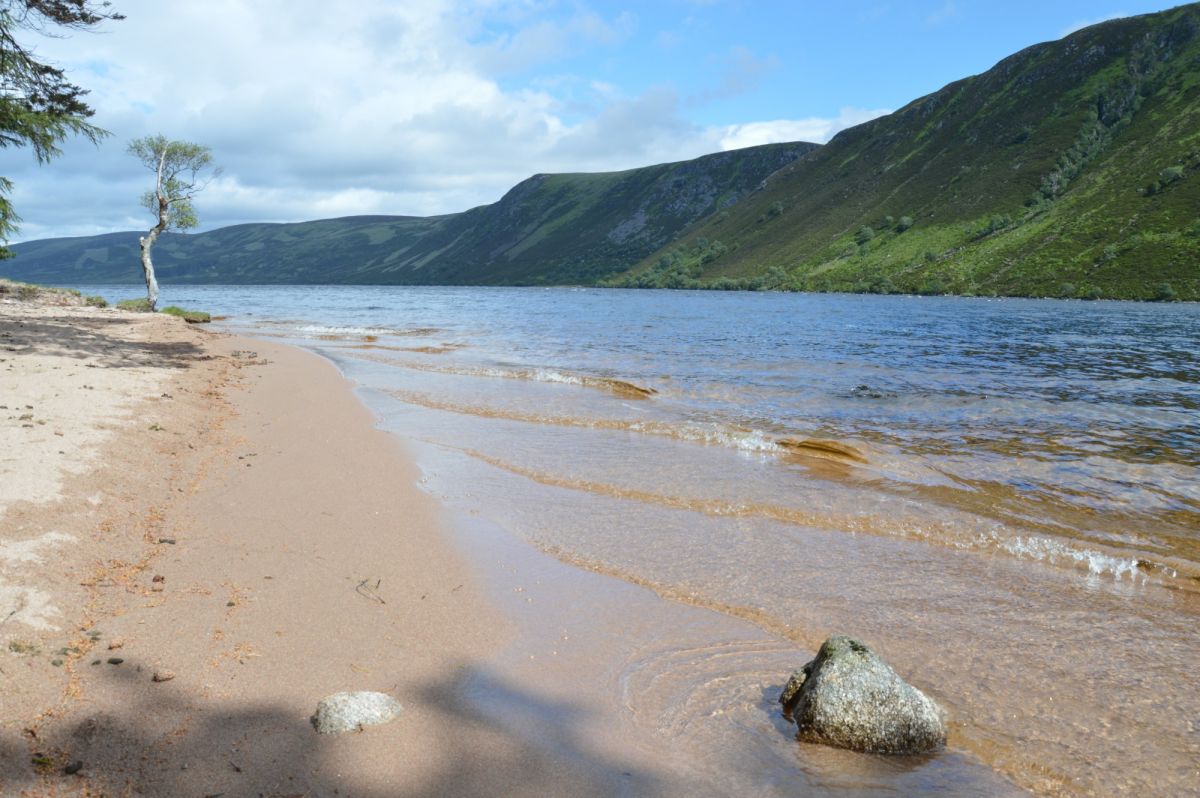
point(1068, 169)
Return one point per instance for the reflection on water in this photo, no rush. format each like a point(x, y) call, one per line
point(1000, 496)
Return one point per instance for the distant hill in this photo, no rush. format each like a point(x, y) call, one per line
point(1069, 169)
point(568, 228)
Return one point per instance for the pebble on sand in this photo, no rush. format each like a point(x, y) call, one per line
point(343, 712)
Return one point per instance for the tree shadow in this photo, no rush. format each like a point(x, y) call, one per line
point(97, 338)
point(159, 739)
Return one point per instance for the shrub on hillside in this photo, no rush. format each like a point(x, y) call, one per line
point(932, 286)
point(1170, 175)
point(1164, 292)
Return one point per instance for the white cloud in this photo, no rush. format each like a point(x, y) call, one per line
point(319, 109)
point(814, 129)
point(741, 72)
point(947, 11)
point(1089, 22)
point(546, 40)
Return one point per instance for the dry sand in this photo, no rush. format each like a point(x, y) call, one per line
point(222, 513)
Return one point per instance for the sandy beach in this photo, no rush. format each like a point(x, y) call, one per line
point(205, 537)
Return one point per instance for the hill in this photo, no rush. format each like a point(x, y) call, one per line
point(1068, 169)
point(566, 228)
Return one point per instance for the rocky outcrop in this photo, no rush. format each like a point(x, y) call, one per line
point(850, 698)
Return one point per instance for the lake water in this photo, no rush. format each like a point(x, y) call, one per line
point(1002, 497)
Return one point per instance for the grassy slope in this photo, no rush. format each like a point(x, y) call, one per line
point(1028, 179)
point(571, 228)
point(577, 228)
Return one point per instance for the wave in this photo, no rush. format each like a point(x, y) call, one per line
point(438, 349)
point(713, 434)
point(1073, 555)
point(822, 448)
point(622, 388)
point(617, 387)
point(337, 333)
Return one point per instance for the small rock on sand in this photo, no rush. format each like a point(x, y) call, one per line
point(343, 712)
point(162, 675)
point(850, 698)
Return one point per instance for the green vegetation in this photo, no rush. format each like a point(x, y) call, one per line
point(39, 107)
point(141, 305)
point(1163, 292)
point(1067, 170)
point(190, 316)
point(23, 648)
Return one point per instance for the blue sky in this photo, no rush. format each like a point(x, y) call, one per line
point(319, 109)
point(743, 61)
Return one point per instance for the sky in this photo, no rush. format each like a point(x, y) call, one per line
point(422, 107)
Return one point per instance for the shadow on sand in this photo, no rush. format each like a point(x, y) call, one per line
point(162, 741)
point(93, 337)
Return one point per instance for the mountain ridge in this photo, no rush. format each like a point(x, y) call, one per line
point(1068, 169)
point(576, 226)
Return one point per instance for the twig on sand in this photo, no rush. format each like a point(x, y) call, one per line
point(369, 591)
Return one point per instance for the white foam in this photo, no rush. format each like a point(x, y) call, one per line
point(1058, 552)
point(321, 329)
point(550, 375)
point(746, 440)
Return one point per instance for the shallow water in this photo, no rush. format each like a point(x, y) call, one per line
point(1002, 497)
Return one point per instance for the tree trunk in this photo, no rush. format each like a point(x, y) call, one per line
point(146, 243)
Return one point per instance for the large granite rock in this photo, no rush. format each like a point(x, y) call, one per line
point(343, 712)
point(850, 698)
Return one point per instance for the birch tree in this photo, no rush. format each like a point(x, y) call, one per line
point(181, 171)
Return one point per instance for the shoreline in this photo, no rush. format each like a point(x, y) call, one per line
point(311, 550)
point(281, 550)
point(223, 578)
